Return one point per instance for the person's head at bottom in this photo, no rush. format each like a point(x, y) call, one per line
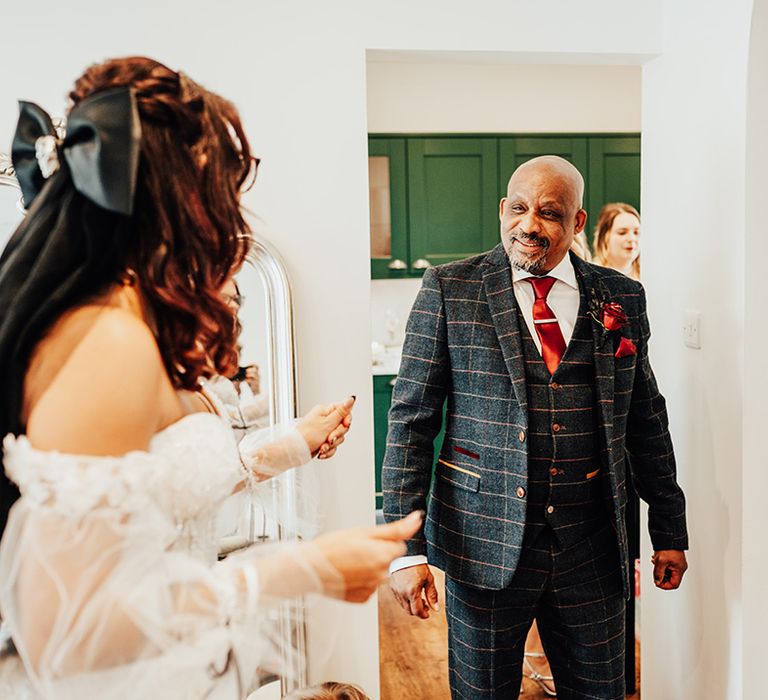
point(330, 690)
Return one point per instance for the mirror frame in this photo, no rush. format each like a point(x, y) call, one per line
point(281, 358)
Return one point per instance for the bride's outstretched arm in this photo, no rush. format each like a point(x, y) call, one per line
point(87, 586)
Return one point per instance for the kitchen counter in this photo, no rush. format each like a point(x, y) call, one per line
point(386, 361)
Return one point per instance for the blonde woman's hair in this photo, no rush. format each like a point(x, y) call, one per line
point(580, 246)
point(605, 220)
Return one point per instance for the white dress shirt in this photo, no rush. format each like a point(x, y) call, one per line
point(563, 299)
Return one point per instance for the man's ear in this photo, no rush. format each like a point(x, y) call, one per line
point(501, 207)
point(581, 220)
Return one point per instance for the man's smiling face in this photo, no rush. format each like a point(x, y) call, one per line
point(541, 213)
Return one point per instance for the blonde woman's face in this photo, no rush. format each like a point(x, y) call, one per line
point(623, 241)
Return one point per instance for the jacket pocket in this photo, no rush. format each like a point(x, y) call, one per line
point(460, 477)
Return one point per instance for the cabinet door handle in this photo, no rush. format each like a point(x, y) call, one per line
point(397, 264)
point(421, 264)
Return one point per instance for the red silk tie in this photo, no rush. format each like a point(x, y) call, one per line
point(547, 327)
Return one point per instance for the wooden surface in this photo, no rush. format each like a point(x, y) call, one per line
point(413, 653)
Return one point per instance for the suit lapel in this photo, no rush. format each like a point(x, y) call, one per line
point(497, 282)
point(591, 288)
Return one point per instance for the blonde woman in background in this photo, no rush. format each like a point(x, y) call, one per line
point(617, 239)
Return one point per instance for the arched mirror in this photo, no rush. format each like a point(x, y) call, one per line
point(11, 208)
point(264, 396)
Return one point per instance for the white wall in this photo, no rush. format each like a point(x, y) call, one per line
point(408, 97)
point(693, 191)
point(297, 70)
point(755, 472)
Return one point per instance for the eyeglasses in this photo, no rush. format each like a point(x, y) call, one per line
point(236, 299)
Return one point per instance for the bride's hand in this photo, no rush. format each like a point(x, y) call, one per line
point(324, 427)
point(352, 563)
point(345, 564)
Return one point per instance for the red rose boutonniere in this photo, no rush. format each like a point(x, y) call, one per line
point(614, 317)
point(610, 316)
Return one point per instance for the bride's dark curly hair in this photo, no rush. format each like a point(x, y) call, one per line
point(186, 235)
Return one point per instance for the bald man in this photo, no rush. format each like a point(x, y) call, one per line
point(542, 360)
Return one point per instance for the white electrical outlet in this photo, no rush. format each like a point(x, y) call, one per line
point(692, 329)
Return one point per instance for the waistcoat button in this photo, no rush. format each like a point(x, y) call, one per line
point(521, 435)
point(550, 509)
point(556, 427)
point(520, 491)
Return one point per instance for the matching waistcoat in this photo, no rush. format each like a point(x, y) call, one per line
point(565, 473)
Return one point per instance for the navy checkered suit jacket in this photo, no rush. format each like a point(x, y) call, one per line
point(463, 347)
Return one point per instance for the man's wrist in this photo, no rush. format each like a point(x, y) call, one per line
point(406, 562)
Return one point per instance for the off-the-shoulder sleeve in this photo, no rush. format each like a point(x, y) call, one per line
point(96, 578)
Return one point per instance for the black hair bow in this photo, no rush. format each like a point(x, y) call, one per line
point(101, 149)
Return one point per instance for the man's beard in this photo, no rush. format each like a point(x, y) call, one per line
point(533, 263)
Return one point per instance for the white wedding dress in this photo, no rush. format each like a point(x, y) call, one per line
point(109, 584)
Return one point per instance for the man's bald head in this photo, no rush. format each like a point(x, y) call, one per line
point(541, 213)
point(553, 166)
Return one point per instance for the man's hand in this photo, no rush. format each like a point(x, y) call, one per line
point(414, 589)
point(669, 565)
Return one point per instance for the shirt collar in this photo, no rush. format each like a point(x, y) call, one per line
point(563, 271)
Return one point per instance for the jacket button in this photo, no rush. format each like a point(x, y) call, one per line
point(520, 491)
point(550, 509)
point(521, 435)
point(553, 471)
point(556, 427)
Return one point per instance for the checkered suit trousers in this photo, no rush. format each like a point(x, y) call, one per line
point(577, 598)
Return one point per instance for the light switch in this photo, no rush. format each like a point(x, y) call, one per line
point(692, 329)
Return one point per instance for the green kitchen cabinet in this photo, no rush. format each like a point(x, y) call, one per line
point(452, 199)
point(613, 174)
point(390, 257)
point(515, 150)
point(382, 399)
point(435, 199)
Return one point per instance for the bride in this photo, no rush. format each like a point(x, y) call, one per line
point(112, 318)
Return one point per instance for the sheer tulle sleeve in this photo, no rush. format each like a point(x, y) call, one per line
point(273, 450)
point(105, 568)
